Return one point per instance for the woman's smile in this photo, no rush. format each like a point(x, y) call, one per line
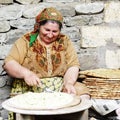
point(49, 32)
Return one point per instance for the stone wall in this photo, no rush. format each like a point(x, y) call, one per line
point(92, 25)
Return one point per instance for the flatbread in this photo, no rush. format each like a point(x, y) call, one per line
point(43, 101)
point(102, 73)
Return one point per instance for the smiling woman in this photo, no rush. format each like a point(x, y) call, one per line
point(45, 53)
point(49, 32)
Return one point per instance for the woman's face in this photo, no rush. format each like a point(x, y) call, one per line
point(49, 32)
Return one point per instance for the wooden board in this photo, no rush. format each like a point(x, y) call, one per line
point(83, 105)
point(75, 101)
point(44, 100)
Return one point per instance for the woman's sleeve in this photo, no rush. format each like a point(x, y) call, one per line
point(71, 54)
point(18, 51)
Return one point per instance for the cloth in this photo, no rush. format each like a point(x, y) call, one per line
point(53, 84)
point(81, 89)
point(49, 14)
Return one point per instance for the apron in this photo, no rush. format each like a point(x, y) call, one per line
point(20, 87)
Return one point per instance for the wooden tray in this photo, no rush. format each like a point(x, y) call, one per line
point(74, 102)
point(83, 105)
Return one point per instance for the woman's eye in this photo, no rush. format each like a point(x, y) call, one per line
point(54, 31)
point(47, 30)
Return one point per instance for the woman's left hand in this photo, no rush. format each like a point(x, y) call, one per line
point(69, 88)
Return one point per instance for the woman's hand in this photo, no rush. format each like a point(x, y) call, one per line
point(16, 70)
point(69, 88)
point(32, 79)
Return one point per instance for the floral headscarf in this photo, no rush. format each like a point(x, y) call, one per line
point(46, 14)
point(49, 14)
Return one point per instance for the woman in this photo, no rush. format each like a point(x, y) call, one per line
point(45, 53)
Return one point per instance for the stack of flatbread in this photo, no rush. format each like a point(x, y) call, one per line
point(102, 83)
point(102, 73)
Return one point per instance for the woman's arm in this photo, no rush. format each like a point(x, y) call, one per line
point(70, 78)
point(14, 69)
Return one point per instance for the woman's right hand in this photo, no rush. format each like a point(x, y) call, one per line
point(32, 79)
point(16, 70)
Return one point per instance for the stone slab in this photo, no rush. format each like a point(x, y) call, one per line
point(6, 1)
point(113, 59)
point(112, 12)
point(96, 36)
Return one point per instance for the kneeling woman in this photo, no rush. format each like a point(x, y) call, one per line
point(45, 53)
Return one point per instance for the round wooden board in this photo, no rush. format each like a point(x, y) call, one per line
point(76, 100)
point(83, 105)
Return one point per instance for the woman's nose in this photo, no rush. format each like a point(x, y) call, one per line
point(50, 35)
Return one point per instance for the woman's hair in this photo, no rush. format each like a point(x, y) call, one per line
point(52, 21)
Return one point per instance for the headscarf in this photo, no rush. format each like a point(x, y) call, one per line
point(46, 14)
